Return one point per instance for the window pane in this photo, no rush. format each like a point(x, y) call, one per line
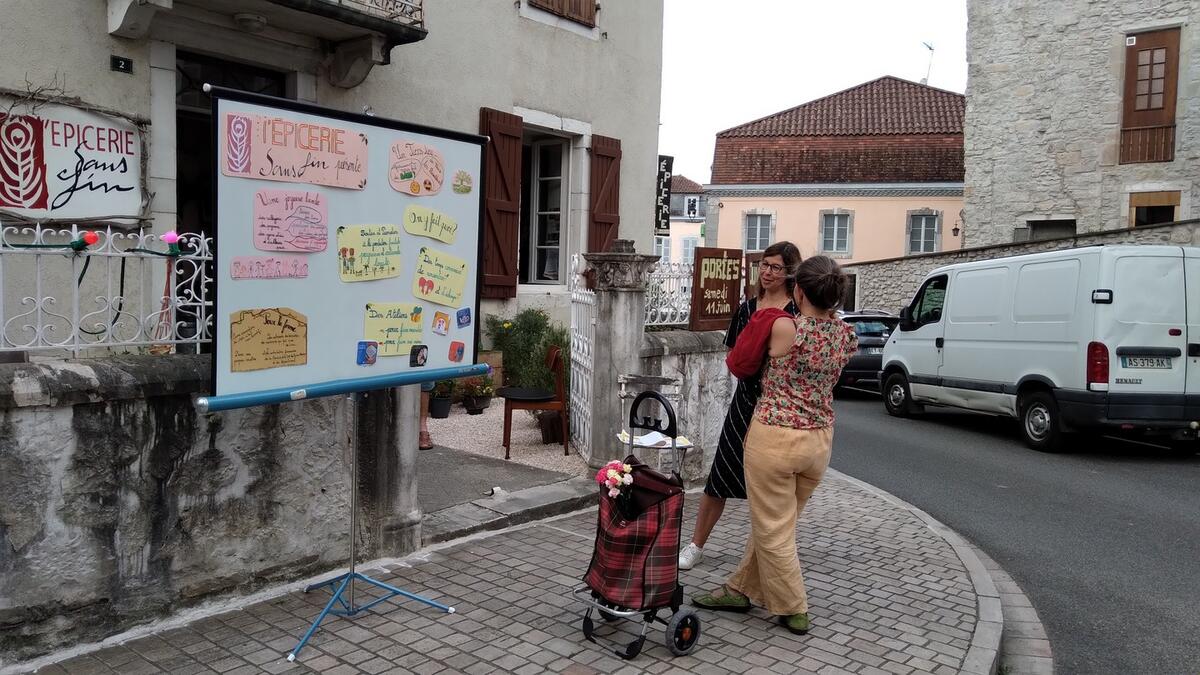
point(550, 161)
point(1160, 55)
point(914, 241)
point(1156, 87)
point(1144, 57)
point(548, 230)
point(1158, 70)
point(1143, 72)
point(1141, 103)
point(1143, 86)
point(547, 264)
point(1156, 100)
point(677, 205)
point(550, 195)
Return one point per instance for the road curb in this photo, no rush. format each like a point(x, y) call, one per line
point(983, 657)
point(507, 509)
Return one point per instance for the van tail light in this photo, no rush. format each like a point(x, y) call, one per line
point(1097, 366)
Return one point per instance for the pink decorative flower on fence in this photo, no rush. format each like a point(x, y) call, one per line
point(615, 475)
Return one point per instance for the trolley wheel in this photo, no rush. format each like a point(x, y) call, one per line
point(683, 632)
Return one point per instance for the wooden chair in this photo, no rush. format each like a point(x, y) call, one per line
point(528, 398)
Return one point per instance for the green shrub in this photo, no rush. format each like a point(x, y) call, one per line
point(523, 340)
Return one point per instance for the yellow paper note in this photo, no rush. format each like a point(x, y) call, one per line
point(440, 278)
point(368, 252)
point(425, 222)
point(267, 338)
point(396, 327)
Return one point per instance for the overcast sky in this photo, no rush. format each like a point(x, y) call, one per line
point(726, 62)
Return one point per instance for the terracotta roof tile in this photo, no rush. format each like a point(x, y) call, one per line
point(886, 106)
point(684, 185)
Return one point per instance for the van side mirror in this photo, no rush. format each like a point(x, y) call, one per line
point(906, 320)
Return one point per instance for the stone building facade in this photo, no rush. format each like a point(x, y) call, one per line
point(1058, 141)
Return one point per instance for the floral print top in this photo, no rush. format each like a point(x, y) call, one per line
point(797, 389)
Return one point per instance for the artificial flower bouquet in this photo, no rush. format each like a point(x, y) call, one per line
point(615, 476)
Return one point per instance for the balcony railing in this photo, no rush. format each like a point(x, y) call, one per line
point(404, 12)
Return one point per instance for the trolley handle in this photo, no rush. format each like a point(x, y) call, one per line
point(653, 423)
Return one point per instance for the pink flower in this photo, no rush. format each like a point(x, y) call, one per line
point(613, 492)
point(170, 237)
point(628, 479)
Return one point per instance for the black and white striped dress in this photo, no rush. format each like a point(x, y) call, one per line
point(727, 478)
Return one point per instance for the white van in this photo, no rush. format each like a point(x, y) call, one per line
point(1105, 338)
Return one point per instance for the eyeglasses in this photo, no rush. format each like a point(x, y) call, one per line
point(771, 267)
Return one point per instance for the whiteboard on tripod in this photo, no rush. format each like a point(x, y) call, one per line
point(347, 246)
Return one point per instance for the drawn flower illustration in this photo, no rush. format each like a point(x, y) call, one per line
point(22, 168)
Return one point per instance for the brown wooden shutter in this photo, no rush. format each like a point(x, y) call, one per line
point(502, 202)
point(1151, 82)
point(581, 11)
point(605, 196)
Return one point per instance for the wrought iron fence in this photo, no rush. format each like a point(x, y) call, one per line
point(409, 12)
point(73, 289)
point(583, 335)
point(669, 295)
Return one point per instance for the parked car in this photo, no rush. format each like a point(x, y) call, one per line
point(1088, 339)
point(873, 328)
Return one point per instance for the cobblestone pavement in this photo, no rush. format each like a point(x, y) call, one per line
point(887, 595)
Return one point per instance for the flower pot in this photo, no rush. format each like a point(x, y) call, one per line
point(439, 408)
point(550, 425)
point(476, 404)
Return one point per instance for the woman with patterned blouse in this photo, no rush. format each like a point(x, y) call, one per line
point(788, 445)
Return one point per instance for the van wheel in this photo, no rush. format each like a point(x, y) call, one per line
point(896, 396)
point(1040, 425)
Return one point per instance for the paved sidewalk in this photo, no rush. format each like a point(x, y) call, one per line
point(888, 594)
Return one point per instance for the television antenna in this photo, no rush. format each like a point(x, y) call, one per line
point(930, 66)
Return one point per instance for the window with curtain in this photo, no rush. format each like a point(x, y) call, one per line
point(757, 231)
point(835, 233)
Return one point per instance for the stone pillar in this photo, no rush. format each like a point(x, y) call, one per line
point(619, 276)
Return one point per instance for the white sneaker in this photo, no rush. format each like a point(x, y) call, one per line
point(690, 556)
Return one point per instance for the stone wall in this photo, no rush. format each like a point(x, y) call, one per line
point(890, 284)
point(697, 360)
point(1044, 94)
point(119, 503)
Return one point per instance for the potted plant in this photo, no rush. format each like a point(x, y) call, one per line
point(440, 398)
point(477, 393)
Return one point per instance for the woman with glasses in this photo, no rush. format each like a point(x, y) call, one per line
point(726, 478)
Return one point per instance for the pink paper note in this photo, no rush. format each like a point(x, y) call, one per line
point(269, 267)
point(277, 148)
point(416, 169)
point(286, 220)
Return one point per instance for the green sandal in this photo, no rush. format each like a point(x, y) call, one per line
point(728, 601)
point(798, 624)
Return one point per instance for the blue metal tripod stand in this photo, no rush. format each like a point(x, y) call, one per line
point(343, 584)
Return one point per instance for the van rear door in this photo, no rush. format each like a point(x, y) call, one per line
point(1191, 264)
point(1143, 328)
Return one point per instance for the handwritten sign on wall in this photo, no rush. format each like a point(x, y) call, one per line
point(282, 149)
point(416, 169)
point(395, 326)
point(716, 287)
point(368, 252)
point(290, 221)
point(268, 267)
point(440, 278)
point(425, 222)
point(63, 162)
point(267, 338)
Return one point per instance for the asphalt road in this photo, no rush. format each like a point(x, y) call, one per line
point(1104, 539)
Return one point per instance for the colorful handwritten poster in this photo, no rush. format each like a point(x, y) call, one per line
point(440, 277)
point(368, 252)
point(267, 338)
point(416, 169)
point(424, 222)
point(282, 149)
point(393, 327)
point(290, 221)
point(268, 267)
